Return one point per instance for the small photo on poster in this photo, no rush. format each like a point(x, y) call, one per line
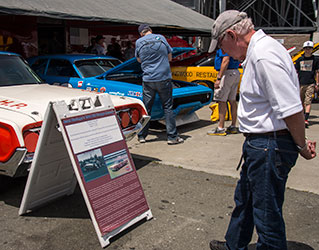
point(118, 163)
point(92, 165)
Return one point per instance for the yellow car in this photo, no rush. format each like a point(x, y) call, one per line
point(203, 72)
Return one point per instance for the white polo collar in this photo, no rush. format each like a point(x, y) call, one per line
point(253, 40)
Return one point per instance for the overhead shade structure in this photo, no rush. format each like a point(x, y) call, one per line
point(161, 14)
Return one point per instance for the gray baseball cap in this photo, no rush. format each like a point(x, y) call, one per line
point(223, 22)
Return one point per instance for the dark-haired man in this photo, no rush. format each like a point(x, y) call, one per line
point(99, 48)
point(154, 53)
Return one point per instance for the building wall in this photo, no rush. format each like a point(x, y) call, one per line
point(292, 40)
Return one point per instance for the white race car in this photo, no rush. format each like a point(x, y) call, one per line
point(23, 101)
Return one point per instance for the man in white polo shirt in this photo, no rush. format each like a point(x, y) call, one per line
point(270, 116)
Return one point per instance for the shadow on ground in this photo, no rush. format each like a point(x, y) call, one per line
point(72, 206)
point(292, 245)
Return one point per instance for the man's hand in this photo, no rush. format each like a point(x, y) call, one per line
point(310, 151)
point(296, 126)
point(216, 84)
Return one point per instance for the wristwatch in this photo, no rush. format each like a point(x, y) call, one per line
point(301, 148)
point(218, 78)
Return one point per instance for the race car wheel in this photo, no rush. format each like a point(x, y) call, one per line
point(208, 84)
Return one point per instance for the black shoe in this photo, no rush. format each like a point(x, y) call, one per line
point(217, 245)
point(232, 130)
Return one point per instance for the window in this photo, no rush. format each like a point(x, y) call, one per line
point(39, 66)
point(60, 67)
point(94, 67)
point(14, 71)
point(207, 62)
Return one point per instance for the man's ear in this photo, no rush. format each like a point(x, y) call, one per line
point(231, 34)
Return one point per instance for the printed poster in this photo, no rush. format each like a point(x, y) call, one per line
point(106, 168)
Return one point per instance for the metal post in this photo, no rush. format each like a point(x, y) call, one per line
point(214, 9)
point(222, 5)
point(315, 35)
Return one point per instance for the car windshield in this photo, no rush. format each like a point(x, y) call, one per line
point(206, 62)
point(14, 71)
point(95, 67)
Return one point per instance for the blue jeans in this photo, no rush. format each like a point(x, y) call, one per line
point(259, 194)
point(165, 91)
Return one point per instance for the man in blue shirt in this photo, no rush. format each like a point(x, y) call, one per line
point(225, 89)
point(154, 54)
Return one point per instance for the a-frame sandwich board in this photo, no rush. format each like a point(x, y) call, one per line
point(81, 142)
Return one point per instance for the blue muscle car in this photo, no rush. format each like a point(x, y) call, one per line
point(108, 74)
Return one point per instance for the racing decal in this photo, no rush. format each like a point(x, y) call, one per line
point(12, 104)
point(102, 90)
point(88, 89)
point(116, 93)
point(80, 83)
point(182, 73)
point(134, 93)
point(206, 74)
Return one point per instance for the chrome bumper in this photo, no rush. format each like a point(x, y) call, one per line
point(10, 168)
point(130, 133)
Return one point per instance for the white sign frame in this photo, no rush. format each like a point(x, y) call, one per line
point(54, 175)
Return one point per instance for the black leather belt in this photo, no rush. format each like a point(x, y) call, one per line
point(272, 133)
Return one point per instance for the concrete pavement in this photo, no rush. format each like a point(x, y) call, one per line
point(221, 154)
point(190, 208)
point(191, 202)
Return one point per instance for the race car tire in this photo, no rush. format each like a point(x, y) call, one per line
point(208, 84)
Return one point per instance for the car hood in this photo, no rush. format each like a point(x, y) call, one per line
point(132, 66)
point(32, 100)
